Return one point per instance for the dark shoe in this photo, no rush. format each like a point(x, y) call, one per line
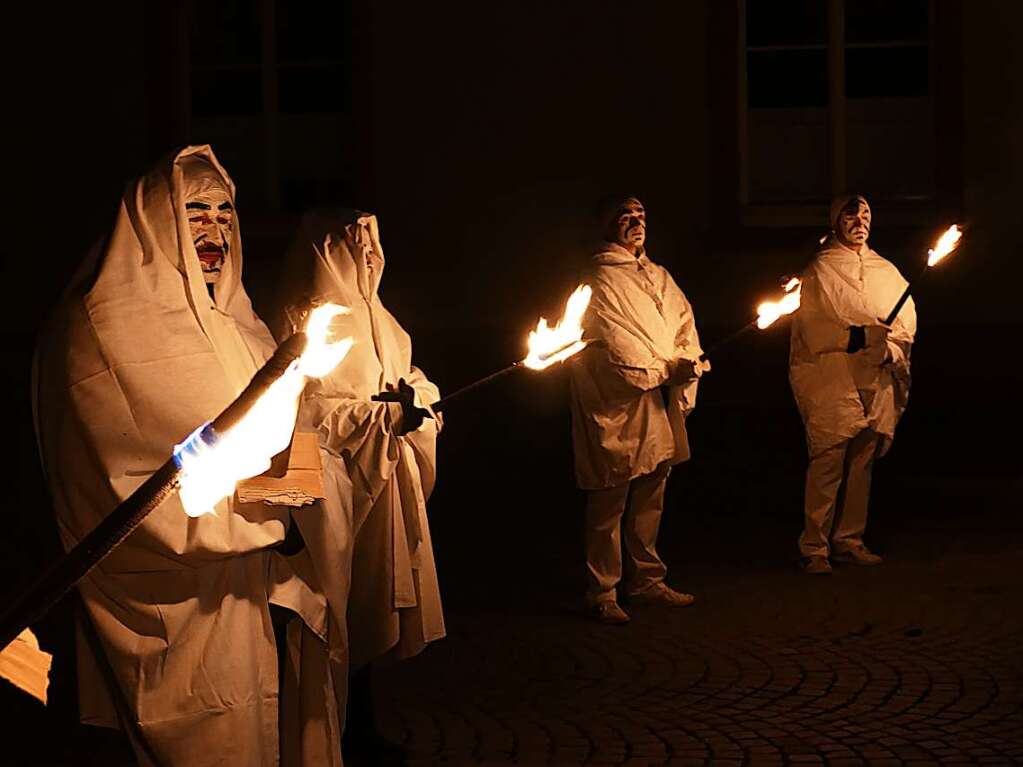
point(857, 555)
point(661, 594)
point(816, 566)
point(609, 613)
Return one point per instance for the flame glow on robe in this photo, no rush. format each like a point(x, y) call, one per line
point(212, 464)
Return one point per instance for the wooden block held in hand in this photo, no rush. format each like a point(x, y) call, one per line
point(24, 665)
point(300, 485)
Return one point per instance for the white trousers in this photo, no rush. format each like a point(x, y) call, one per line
point(635, 506)
point(837, 495)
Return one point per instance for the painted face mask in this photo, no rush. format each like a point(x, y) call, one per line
point(853, 224)
point(210, 216)
point(628, 226)
point(211, 219)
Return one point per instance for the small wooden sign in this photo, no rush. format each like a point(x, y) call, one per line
point(24, 665)
point(299, 485)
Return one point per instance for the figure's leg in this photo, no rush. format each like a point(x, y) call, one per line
point(604, 510)
point(851, 517)
point(823, 480)
point(641, 523)
point(363, 742)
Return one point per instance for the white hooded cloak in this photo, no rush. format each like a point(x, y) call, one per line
point(841, 394)
point(622, 425)
point(136, 357)
point(380, 482)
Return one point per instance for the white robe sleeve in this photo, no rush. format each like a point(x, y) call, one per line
point(816, 322)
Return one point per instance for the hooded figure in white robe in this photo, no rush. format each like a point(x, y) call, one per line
point(631, 392)
point(850, 377)
point(381, 477)
point(177, 646)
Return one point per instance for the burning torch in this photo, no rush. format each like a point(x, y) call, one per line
point(948, 242)
point(547, 345)
point(237, 444)
point(767, 313)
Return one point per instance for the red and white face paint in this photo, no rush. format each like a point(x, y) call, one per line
point(211, 221)
point(210, 212)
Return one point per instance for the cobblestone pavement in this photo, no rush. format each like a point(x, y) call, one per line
point(914, 662)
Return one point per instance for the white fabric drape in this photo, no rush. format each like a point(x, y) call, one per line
point(622, 425)
point(137, 356)
point(382, 480)
point(841, 394)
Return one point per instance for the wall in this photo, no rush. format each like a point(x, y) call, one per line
point(492, 134)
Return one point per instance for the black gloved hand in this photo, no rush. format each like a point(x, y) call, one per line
point(857, 339)
point(411, 416)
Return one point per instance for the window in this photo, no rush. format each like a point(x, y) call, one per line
point(270, 88)
point(834, 96)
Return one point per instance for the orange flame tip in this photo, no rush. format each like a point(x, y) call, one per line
point(769, 311)
point(948, 242)
point(547, 345)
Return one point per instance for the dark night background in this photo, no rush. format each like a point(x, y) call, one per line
point(482, 134)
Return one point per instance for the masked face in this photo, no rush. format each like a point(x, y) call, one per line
point(211, 219)
point(628, 228)
point(854, 224)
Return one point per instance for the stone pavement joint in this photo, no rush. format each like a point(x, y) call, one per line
point(899, 665)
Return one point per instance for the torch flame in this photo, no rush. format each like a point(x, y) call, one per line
point(211, 463)
point(769, 311)
point(320, 357)
point(945, 245)
point(547, 345)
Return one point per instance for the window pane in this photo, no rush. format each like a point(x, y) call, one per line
point(787, 78)
point(224, 33)
point(224, 54)
point(313, 49)
point(789, 22)
point(313, 31)
point(313, 89)
point(887, 72)
point(226, 92)
point(877, 21)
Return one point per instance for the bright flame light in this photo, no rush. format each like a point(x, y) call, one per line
point(212, 463)
point(945, 245)
point(547, 345)
point(320, 357)
point(769, 311)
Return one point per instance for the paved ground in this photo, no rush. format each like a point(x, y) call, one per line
point(914, 662)
point(917, 661)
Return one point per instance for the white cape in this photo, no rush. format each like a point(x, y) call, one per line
point(841, 394)
point(136, 357)
point(381, 481)
point(622, 425)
